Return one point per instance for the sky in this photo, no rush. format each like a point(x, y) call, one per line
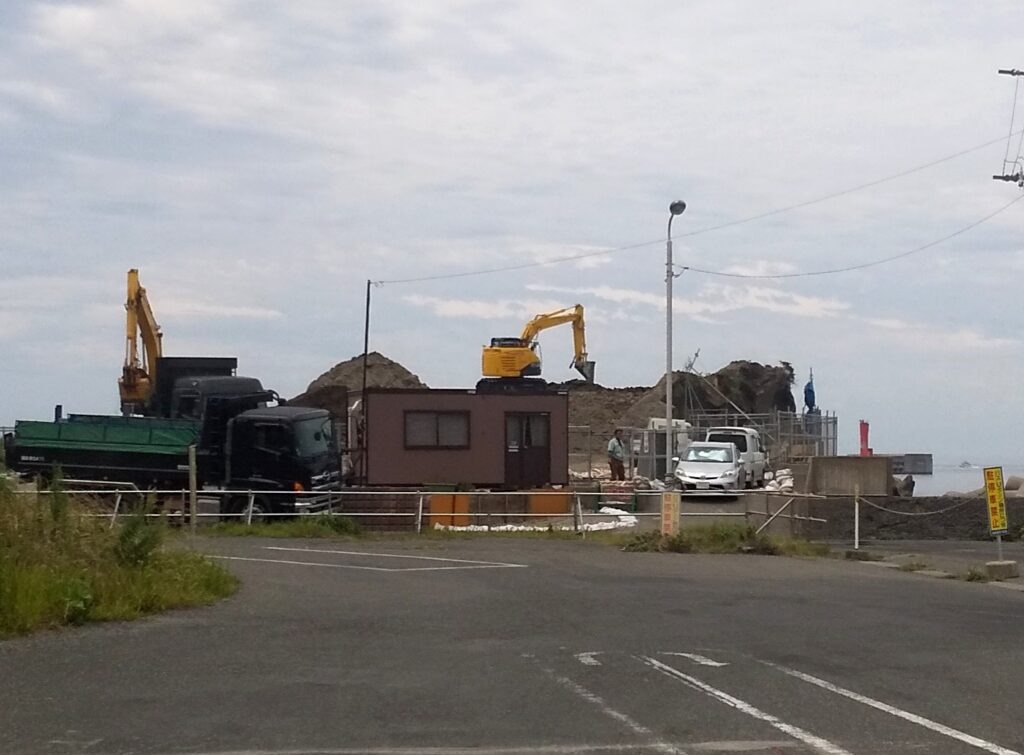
point(260, 161)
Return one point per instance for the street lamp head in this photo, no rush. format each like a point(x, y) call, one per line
point(677, 207)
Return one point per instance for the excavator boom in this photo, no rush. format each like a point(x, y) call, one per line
point(138, 376)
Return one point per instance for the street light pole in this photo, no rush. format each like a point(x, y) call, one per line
point(676, 208)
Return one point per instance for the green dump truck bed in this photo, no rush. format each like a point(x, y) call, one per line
point(148, 450)
point(122, 434)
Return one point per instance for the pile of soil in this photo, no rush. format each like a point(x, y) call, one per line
point(754, 388)
point(330, 390)
point(599, 408)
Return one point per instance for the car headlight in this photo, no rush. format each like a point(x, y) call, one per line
point(729, 473)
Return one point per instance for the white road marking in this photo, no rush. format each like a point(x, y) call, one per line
point(455, 750)
point(894, 711)
point(355, 566)
point(819, 744)
point(588, 659)
point(701, 659)
point(393, 555)
point(634, 726)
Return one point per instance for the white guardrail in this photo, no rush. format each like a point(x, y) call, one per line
point(584, 505)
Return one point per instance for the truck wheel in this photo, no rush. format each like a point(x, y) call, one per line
point(259, 510)
point(235, 509)
point(231, 506)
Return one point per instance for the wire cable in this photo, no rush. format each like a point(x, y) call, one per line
point(1013, 117)
point(863, 265)
point(699, 231)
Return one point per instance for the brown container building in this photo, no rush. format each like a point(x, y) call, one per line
point(461, 437)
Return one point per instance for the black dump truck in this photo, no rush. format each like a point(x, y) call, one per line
point(243, 443)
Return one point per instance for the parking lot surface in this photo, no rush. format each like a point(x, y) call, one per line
point(511, 645)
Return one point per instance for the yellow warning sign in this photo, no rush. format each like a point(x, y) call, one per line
point(996, 500)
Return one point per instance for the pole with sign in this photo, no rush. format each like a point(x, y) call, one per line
point(670, 512)
point(996, 505)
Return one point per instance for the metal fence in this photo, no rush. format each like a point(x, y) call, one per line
point(581, 451)
point(416, 510)
point(788, 436)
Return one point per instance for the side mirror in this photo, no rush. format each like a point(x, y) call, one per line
point(675, 459)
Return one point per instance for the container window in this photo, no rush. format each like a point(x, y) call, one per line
point(437, 429)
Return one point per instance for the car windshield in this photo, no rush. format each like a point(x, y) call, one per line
point(719, 455)
point(312, 437)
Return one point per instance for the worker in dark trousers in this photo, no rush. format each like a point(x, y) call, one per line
point(617, 456)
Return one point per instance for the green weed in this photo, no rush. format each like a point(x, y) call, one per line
point(303, 526)
point(858, 555)
point(59, 566)
point(722, 538)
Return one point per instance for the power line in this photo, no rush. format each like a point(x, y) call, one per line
point(699, 231)
point(861, 266)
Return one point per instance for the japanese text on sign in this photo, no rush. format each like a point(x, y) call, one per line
point(996, 500)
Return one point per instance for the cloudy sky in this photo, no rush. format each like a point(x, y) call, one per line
point(259, 161)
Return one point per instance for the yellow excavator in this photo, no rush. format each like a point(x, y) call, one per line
point(511, 362)
point(138, 376)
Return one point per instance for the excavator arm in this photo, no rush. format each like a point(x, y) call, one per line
point(138, 376)
point(572, 315)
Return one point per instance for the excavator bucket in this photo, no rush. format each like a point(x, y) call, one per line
point(586, 369)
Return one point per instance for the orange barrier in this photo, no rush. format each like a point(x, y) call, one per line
point(449, 509)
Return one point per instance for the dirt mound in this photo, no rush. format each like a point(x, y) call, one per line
point(381, 372)
point(754, 388)
point(330, 390)
point(599, 408)
point(333, 398)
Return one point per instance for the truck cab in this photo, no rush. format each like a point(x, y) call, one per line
point(278, 450)
point(750, 450)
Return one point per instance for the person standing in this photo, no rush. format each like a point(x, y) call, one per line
point(617, 456)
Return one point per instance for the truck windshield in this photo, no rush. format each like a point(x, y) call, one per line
point(312, 437)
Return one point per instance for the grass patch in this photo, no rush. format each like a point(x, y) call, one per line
point(975, 575)
point(852, 555)
point(311, 526)
point(60, 567)
point(722, 538)
point(913, 566)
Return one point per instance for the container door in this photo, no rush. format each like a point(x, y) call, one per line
point(527, 450)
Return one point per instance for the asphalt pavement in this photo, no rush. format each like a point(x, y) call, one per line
point(512, 645)
point(953, 556)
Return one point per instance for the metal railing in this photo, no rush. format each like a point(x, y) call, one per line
point(415, 509)
point(786, 435)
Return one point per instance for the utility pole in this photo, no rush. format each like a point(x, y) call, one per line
point(676, 208)
point(1017, 176)
point(363, 461)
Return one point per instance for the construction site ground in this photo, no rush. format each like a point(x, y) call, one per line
point(508, 646)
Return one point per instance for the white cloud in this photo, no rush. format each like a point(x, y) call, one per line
point(714, 299)
point(935, 339)
point(760, 267)
point(479, 309)
point(178, 308)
